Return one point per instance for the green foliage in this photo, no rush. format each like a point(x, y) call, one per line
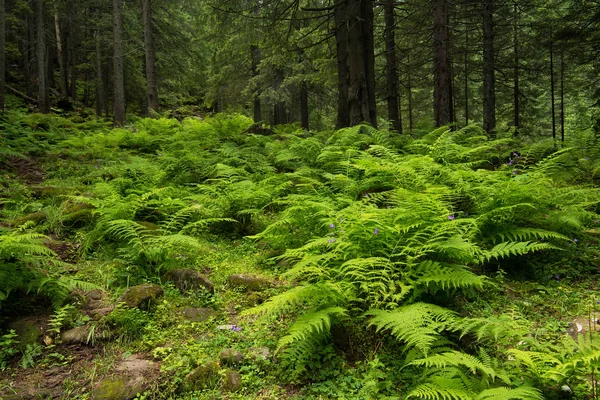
point(8, 348)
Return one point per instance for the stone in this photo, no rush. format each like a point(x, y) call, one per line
point(40, 191)
point(76, 335)
point(232, 382)
point(95, 294)
point(581, 325)
point(36, 217)
point(117, 388)
point(259, 353)
point(230, 357)
point(141, 296)
point(28, 331)
point(187, 279)
point(205, 376)
point(193, 314)
point(248, 282)
point(98, 313)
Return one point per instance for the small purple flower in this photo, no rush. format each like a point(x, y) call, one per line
point(451, 217)
point(236, 328)
point(515, 154)
point(330, 241)
point(557, 277)
point(332, 226)
point(376, 231)
point(575, 240)
point(514, 171)
point(510, 162)
point(597, 301)
point(366, 194)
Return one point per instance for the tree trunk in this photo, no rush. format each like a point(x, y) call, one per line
point(2, 53)
point(99, 84)
point(516, 70)
point(392, 73)
point(304, 113)
point(409, 89)
point(43, 101)
point(552, 90)
point(361, 62)
point(119, 85)
point(466, 67)
point(71, 56)
point(562, 95)
point(255, 54)
point(341, 39)
point(279, 113)
point(31, 61)
point(489, 90)
point(442, 79)
point(150, 55)
point(60, 53)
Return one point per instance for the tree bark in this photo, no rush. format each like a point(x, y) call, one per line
point(552, 90)
point(361, 62)
point(304, 112)
point(43, 100)
point(489, 90)
point(392, 74)
point(516, 104)
point(562, 95)
point(119, 85)
point(99, 84)
point(442, 73)
point(150, 55)
point(341, 39)
point(409, 89)
point(279, 113)
point(60, 53)
point(255, 54)
point(466, 67)
point(2, 53)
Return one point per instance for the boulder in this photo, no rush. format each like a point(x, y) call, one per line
point(248, 282)
point(28, 331)
point(193, 314)
point(186, 279)
point(76, 335)
point(141, 296)
point(117, 388)
point(205, 376)
point(259, 353)
point(232, 382)
point(230, 357)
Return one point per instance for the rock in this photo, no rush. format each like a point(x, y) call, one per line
point(255, 298)
point(117, 389)
point(141, 296)
point(28, 331)
point(193, 314)
point(51, 191)
point(100, 312)
point(248, 282)
point(581, 325)
point(135, 365)
point(186, 279)
point(259, 353)
point(205, 376)
point(76, 335)
point(232, 382)
point(36, 217)
point(231, 357)
point(95, 294)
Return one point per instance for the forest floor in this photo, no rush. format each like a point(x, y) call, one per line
point(191, 338)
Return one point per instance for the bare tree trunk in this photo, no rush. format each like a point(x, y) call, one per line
point(62, 67)
point(392, 73)
point(411, 124)
point(442, 79)
point(2, 53)
point(30, 60)
point(43, 101)
point(279, 113)
point(99, 84)
point(150, 55)
point(562, 95)
point(361, 62)
point(341, 39)
point(119, 85)
point(489, 90)
point(516, 105)
point(552, 90)
point(466, 67)
point(71, 56)
point(255, 54)
point(304, 112)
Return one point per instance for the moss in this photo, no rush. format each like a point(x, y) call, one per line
point(203, 377)
point(141, 296)
point(111, 389)
point(248, 282)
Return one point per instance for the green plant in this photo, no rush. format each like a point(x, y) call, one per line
point(8, 348)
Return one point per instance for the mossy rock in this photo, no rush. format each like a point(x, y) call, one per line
point(77, 212)
point(141, 296)
point(40, 191)
point(231, 357)
point(27, 330)
point(249, 282)
point(76, 335)
point(193, 314)
point(36, 217)
point(117, 389)
point(203, 377)
point(187, 279)
point(232, 382)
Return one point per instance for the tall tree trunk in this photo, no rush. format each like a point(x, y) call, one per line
point(43, 101)
point(466, 67)
point(119, 84)
point(50, 59)
point(489, 90)
point(279, 113)
point(392, 73)
point(410, 102)
point(442, 79)
point(71, 56)
point(562, 95)
point(304, 112)
point(31, 60)
point(62, 67)
point(2, 53)
point(516, 105)
point(552, 90)
point(150, 55)
point(361, 62)
point(99, 84)
point(341, 39)
point(255, 54)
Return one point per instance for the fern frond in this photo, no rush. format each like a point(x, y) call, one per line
point(311, 324)
point(504, 393)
